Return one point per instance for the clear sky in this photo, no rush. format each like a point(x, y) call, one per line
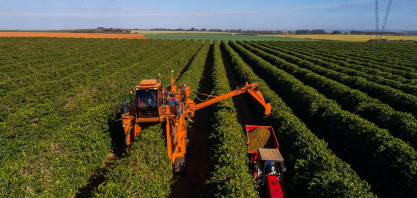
point(219, 14)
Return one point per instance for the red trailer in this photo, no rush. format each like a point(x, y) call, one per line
point(268, 165)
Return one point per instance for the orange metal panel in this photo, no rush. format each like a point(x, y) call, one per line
point(151, 86)
point(148, 82)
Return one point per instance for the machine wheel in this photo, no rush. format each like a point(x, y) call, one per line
point(128, 135)
point(179, 165)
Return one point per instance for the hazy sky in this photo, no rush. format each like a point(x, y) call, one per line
point(222, 14)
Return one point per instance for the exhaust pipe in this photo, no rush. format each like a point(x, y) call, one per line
point(125, 108)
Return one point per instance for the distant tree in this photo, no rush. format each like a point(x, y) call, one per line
point(336, 32)
point(302, 32)
point(318, 32)
point(374, 33)
point(192, 29)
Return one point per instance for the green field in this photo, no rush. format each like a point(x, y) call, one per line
point(220, 37)
point(337, 37)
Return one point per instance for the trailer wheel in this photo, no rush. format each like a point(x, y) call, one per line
point(179, 165)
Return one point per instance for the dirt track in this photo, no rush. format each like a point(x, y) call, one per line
point(70, 35)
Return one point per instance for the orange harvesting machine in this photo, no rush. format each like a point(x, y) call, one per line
point(152, 103)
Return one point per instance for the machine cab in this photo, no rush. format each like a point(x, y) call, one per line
point(148, 98)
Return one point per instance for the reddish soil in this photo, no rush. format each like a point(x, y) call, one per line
point(70, 35)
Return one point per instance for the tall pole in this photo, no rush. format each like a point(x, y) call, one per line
point(377, 19)
point(386, 18)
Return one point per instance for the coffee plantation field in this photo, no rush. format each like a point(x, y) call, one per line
point(344, 114)
point(218, 36)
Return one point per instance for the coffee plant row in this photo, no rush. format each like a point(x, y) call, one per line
point(229, 164)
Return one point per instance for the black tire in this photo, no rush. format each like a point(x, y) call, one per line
point(179, 165)
point(128, 134)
